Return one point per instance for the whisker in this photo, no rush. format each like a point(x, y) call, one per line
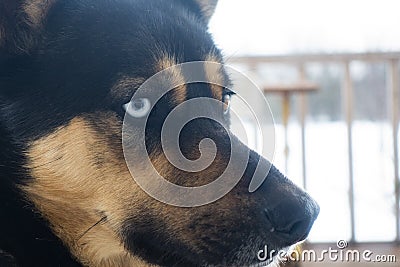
point(49, 162)
point(102, 220)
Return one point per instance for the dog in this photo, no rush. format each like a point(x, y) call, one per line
point(67, 198)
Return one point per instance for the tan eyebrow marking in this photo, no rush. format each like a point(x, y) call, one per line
point(124, 87)
point(37, 11)
point(176, 77)
point(214, 76)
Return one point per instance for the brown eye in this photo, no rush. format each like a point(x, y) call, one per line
point(227, 103)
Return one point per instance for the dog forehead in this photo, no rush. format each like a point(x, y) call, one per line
point(123, 36)
point(24, 24)
point(175, 74)
point(36, 10)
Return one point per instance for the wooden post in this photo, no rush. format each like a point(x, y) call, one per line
point(393, 83)
point(302, 87)
point(348, 108)
point(285, 121)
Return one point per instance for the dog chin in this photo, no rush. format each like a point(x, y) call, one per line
point(276, 260)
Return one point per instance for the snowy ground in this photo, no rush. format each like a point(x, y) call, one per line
point(328, 176)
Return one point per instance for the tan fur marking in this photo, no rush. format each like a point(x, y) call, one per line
point(125, 87)
point(176, 77)
point(80, 176)
point(214, 75)
point(37, 11)
point(73, 193)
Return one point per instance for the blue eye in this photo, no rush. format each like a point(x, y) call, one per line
point(138, 108)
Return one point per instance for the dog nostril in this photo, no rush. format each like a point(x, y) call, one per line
point(296, 229)
point(291, 227)
point(270, 222)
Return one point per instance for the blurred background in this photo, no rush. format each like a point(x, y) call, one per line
point(330, 71)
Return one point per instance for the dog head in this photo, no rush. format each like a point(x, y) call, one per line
point(68, 69)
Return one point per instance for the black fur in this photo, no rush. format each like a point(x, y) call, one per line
point(64, 68)
point(43, 86)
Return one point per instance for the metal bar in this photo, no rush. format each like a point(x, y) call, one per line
point(348, 107)
point(303, 111)
point(394, 93)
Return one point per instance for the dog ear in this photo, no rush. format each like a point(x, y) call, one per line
point(20, 23)
point(205, 8)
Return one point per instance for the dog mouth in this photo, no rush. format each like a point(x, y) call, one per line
point(157, 249)
point(169, 253)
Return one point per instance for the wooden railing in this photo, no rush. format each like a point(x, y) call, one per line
point(391, 59)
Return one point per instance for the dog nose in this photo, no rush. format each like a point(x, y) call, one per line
point(291, 220)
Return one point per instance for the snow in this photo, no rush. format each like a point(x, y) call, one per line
point(328, 176)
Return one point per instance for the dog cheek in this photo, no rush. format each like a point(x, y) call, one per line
point(72, 190)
